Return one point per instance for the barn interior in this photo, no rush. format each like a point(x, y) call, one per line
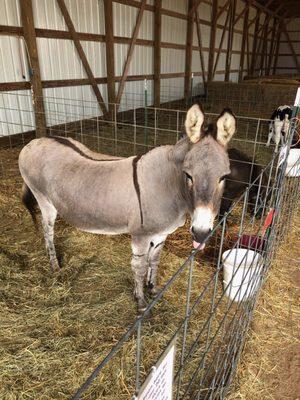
point(119, 76)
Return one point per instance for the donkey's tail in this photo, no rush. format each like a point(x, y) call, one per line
point(30, 203)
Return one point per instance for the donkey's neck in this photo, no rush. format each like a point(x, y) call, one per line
point(165, 176)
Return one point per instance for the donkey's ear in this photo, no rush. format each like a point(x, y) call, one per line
point(226, 126)
point(194, 122)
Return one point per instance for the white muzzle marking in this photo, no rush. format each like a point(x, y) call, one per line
point(203, 219)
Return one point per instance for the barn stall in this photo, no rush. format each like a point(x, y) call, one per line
point(118, 76)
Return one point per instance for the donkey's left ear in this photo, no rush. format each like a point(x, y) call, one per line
point(226, 126)
point(194, 122)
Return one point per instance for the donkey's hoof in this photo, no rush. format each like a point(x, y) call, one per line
point(142, 305)
point(153, 290)
point(55, 267)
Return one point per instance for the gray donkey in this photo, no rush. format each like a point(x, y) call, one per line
point(147, 196)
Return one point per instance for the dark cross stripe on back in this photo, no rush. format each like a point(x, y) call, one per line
point(66, 142)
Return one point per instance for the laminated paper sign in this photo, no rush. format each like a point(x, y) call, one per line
point(159, 384)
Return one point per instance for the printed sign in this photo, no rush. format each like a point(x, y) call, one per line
point(159, 384)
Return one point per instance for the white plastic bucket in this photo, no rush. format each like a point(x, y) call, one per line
point(293, 163)
point(246, 266)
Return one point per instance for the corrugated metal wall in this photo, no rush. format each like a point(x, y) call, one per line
point(59, 58)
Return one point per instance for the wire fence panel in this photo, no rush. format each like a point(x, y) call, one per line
point(217, 289)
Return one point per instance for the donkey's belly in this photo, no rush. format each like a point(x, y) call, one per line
point(106, 230)
point(94, 222)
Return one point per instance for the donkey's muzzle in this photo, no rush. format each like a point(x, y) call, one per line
point(200, 235)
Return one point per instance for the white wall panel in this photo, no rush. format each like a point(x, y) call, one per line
point(59, 59)
point(13, 64)
point(172, 60)
point(47, 15)
point(179, 6)
point(171, 89)
point(10, 12)
point(16, 113)
point(173, 30)
point(124, 18)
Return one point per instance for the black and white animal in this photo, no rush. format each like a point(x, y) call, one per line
point(244, 173)
point(279, 126)
point(147, 196)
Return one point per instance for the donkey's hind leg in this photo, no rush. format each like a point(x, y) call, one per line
point(49, 214)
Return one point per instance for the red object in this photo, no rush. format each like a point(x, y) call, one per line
point(268, 221)
point(253, 242)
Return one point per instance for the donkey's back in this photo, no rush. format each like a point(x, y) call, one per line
point(84, 187)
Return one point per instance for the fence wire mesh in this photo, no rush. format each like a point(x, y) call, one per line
point(210, 315)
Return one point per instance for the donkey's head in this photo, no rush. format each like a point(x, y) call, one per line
point(205, 164)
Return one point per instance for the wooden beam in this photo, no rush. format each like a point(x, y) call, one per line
point(33, 59)
point(130, 50)
point(248, 51)
point(246, 8)
point(254, 45)
point(272, 46)
point(221, 43)
point(200, 49)
point(222, 9)
point(265, 43)
point(81, 54)
point(212, 39)
point(189, 49)
point(13, 86)
point(110, 54)
point(230, 40)
point(291, 47)
point(157, 51)
point(244, 42)
point(194, 7)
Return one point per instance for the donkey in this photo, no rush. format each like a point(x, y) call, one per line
point(146, 196)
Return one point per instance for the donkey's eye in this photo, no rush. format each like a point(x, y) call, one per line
point(223, 177)
point(188, 176)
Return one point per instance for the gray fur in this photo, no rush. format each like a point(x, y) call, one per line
point(100, 196)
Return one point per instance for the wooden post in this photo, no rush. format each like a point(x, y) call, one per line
point(221, 42)
point(110, 54)
point(35, 75)
point(230, 39)
point(277, 49)
point(264, 45)
point(244, 41)
point(253, 59)
point(272, 46)
point(81, 54)
point(157, 51)
point(189, 49)
point(200, 50)
point(130, 51)
point(212, 39)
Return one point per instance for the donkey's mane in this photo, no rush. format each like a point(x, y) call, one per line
point(68, 143)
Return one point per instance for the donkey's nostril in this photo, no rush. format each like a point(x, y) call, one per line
point(200, 235)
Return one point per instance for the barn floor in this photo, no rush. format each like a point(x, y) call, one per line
point(56, 329)
point(270, 366)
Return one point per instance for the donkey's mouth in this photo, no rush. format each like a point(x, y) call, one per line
point(199, 246)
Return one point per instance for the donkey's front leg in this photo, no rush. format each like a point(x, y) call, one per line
point(139, 265)
point(157, 245)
